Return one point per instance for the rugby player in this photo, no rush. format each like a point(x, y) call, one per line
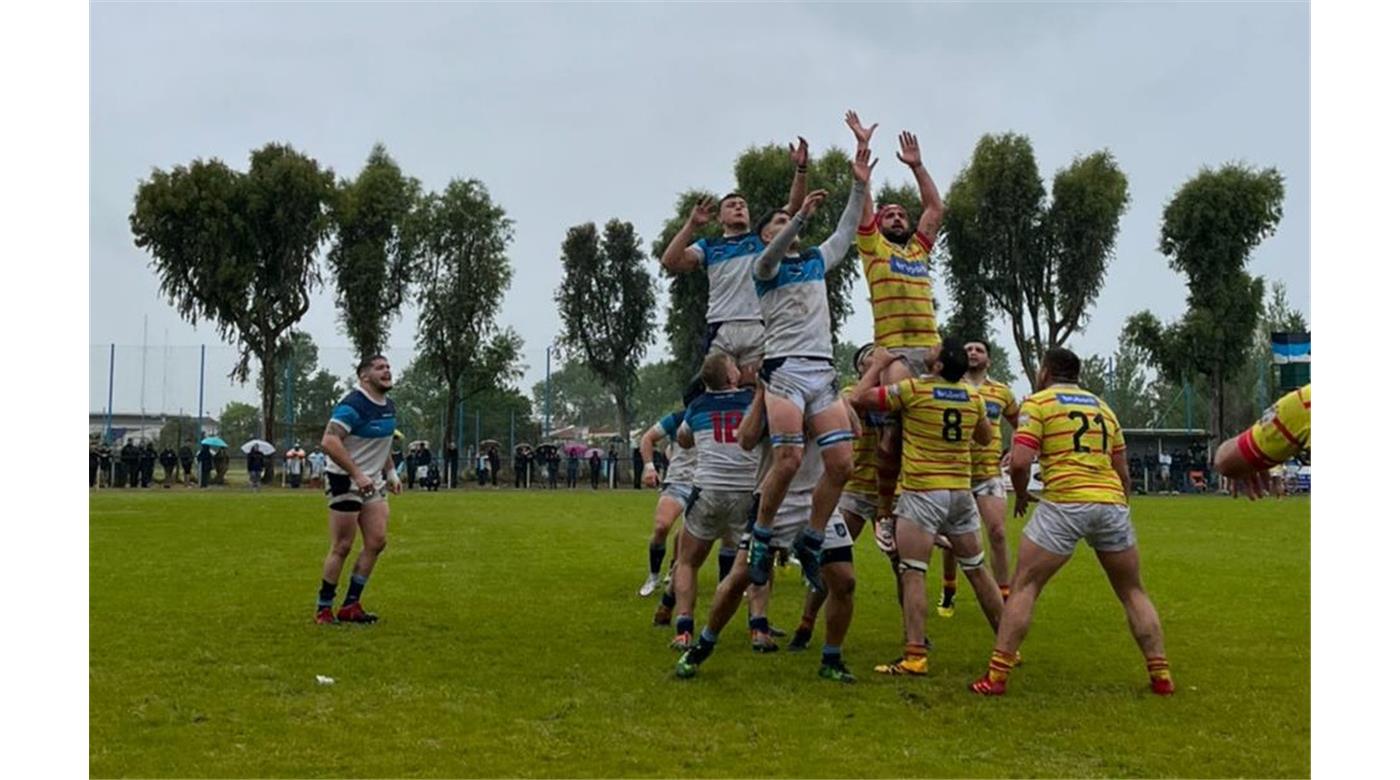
point(1084, 466)
point(987, 486)
point(1282, 432)
point(359, 475)
point(798, 373)
point(676, 491)
point(734, 322)
point(942, 417)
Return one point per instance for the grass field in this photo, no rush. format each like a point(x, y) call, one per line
point(512, 642)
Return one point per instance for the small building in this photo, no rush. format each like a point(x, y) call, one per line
point(1185, 452)
point(137, 427)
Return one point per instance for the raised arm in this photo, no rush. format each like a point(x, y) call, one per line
point(863, 135)
point(798, 192)
point(866, 393)
point(932, 216)
point(680, 257)
point(766, 267)
point(835, 248)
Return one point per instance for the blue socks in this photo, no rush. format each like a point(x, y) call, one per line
point(327, 596)
point(831, 655)
point(357, 584)
point(726, 560)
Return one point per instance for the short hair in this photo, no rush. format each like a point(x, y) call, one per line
point(1062, 364)
point(953, 355)
point(715, 371)
point(769, 217)
point(367, 361)
point(978, 340)
point(735, 194)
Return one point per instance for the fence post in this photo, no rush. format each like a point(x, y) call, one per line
point(287, 390)
point(111, 374)
point(199, 421)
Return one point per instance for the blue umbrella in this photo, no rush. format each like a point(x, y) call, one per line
point(214, 441)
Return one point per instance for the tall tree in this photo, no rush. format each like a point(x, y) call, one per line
point(239, 422)
point(1040, 265)
point(314, 390)
point(459, 285)
point(574, 398)
point(373, 249)
point(239, 249)
point(1209, 229)
point(607, 305)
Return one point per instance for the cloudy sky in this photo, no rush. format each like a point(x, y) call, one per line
point(571, 113)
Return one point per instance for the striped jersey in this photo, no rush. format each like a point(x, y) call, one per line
point(864, 451)
point(986, 458)
point(901, 292)
point(729, 263)
point(369, 426)
point(939, 418)
point(1076, 435)
point(682, 468)
point(714, 421)
point(1283, 431)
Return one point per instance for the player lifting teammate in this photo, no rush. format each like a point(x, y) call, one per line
point(1084, 466)
point(1284, 431)
point(676, 492)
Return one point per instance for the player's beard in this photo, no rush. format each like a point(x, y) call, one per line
point(896, 237)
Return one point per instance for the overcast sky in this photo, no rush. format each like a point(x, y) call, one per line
point(588, 112)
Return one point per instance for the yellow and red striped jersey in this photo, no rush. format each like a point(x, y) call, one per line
point(938, 418)
point(1283, 431)
point(863, 451)
point(1001, 402)
point(901, 292)
point(1076, 435)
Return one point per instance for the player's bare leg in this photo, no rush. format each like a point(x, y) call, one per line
point(914, 545)
point(788, 442)
point(1123, 570)
point(342, 527)
point(967, 548)
point(667, 511)
point(1035, 565)
point(374, 524)
point(728, 596)
point(840, 608)
point(993, 512)
point(950, 584)
point(834, 438)
point(692, 556)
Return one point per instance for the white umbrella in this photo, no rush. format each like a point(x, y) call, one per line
point(258, 444)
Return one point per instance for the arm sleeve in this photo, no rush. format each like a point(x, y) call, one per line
point(346, 417)
point(923, 243)
point(834, 248)
point(868, 238)
point(1029, 430)
point(1279, 434)
point(896, 396)
point(766, 267)
point(700, 245)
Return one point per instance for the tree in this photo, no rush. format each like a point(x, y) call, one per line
point(177, 430)
point(239, 249)
point(575, 398)
point(606, 302)
point(656, 394)
point(239, 422)
point(459, 284)
point(1122, 380)
point(1210, 227)
point(314, 390)
point(373, 249)
point(1040, 265)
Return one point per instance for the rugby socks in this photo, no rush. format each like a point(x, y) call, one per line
point(668, 599)
point(708, 638)
point(357, 584)
point(950, 589)
point(685, 624)
point(831, 655)
point(914, 650)
point(1159, 670)
point(807, 624)
point(657, 554)
point(813, 539)
point(327, 596)
point(759, 624)
point(726, 560)
point(999, 669)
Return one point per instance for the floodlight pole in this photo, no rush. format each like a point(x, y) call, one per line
point(111, 373)
point(199, 422)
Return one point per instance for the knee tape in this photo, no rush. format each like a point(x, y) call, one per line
point(908, 565)
point(833, 438)
point(968, 564)
point(787, 440)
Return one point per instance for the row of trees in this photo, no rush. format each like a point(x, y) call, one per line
point(243, 250)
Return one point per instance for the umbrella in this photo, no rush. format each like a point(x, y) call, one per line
point(574, 449)
point(490, 443)
point(419, 443)
point(592, 450)
point(524, 445)
point(213, 441)
point(398, 434)
point(258, 444)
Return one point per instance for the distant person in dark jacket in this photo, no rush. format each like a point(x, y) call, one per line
point(612, 467)
point(104, 465)
point(595, 468)
point(149, 456)
point(206, 464)
point(186, 461)
point(131, 466)
point(493, 456)
point(636, 469)
point(170, 462)
point(94, 463)
point(571, 476)
point(450, 464)
point(255, 468)
point(220, 465)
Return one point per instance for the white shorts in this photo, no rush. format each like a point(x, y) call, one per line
point(680, 492)
point(343, 496)
point(861, 505)
point(792, 517)
point(991, 487)
point(946, 512)
point(808, 384)
point(718, 514)
point(739, 339)
point(1059, 527)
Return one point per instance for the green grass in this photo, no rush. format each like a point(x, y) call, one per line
point(512, 642)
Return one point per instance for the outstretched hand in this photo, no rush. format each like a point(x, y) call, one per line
point(909, 150)
point(862, 165)
point(798, 154)
point(702, 213)
point(862, 133)
point(812, 202)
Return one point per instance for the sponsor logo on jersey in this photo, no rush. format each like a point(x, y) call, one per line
point(993, 410)
point(949, 394)
point(1077, 400)
point(902, 266)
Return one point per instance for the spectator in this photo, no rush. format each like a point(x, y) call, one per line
point(171, 463)
point(522, 465)
point(131, 465)
point(553, 466)
point(206, 464)
point(595, 467)
point(612, 466)
point(449, 462)
point(148, 464)
point(296, 464)
point(410, 463)
point(1164, 470)
point(636, 469)
point(186, 461)
point(572, 474)
point(94, 463)
point(220, 465)
point(483, 465)
point(493, 456)
point(316, 463)
point(104, 465)
point(255, 468)
point(662, 464)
